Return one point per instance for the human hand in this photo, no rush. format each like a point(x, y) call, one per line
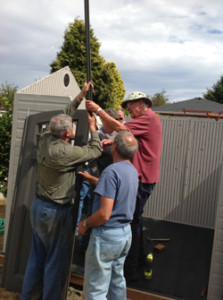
point(92, 122)
point(86, 87)
point(83, 230)
point(106, 142)
point(86, 175)
point(91, 106)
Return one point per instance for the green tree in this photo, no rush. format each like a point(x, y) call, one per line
point(109, 88)
point(6, 104)
point(7, 92)
point(159, 99)
point(216, 93)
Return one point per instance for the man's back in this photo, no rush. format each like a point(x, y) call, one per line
point(57, 162)
point(119, 181)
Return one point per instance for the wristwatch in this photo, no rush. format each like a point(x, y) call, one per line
point(85, 223)
point(98, 111)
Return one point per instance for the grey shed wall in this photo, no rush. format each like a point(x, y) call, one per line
point(47, 94)
point(190, 190)
point(215, 288)
point(191, 164)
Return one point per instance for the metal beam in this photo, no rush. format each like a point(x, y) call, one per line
point(88, 46)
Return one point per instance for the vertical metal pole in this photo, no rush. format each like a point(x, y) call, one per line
point(88, 46)
point(80, 168)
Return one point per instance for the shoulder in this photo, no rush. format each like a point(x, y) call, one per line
point(45, 135)
point(123, 167)
point(149, 113)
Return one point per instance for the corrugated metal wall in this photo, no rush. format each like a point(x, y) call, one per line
point(190, 172)
point(215, 287)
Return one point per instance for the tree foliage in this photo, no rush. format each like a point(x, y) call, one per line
point(216, 93)
point(7, 92)
point(109, 88)
point(159, 99)
point(6, 103)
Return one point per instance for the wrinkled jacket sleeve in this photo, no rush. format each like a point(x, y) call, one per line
point(71, 108)
point(88, 152)
point(69, 155)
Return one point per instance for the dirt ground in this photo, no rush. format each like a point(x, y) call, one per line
point(72, 294)
point(5, 295)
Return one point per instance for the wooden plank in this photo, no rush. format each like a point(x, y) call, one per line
point(76, 279)
point(2, 259)
point(132, 294)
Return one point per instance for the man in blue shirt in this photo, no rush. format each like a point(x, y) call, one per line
point(113, 208)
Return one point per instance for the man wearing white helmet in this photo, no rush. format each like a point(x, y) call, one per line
point(146, 127)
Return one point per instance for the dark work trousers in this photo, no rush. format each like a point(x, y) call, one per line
point(137, 247)
point(49, 260)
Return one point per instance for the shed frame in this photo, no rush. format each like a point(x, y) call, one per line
point(190, 190)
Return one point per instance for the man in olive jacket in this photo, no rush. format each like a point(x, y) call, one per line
point(51, 211)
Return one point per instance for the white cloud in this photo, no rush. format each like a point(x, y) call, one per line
point(155, 44)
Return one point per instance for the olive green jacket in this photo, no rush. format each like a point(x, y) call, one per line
point(57, 161)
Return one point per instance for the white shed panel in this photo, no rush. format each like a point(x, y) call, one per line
point(53, 92)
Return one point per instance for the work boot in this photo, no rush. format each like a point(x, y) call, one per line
point(148, 269)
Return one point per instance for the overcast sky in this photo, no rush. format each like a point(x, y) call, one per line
point(173, 45)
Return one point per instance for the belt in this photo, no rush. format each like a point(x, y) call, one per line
point(54, 202)
point(46, 200)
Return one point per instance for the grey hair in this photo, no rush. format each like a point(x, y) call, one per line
point(146, 104)
point(124, 146)
point(59, 124)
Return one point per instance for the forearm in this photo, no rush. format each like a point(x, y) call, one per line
point(79, 154)
point(72, 107)
point(108, 120)
point(80, 96)
point(88, 177)
point(111, 122)
point(93, 148)
point(83, 93)
point(97, 219)
point(93, 180)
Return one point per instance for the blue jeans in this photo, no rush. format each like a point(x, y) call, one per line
point(84, 194)
point(88, 203)
point(104, 261)
point(137, 247)
point(50, 253)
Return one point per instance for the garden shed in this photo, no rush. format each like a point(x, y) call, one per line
point(50, 93)
point(189, 193)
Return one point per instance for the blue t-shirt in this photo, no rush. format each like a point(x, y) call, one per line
point(119, 181)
